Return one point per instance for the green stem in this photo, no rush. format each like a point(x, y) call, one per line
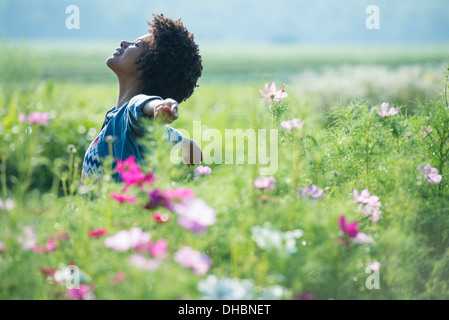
point(5, 191)
point(64, 186)
point(27, 179)
point(296, 174)
point(367, 149)
point(75, 173)
point(445, 91)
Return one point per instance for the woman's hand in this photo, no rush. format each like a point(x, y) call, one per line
point(163, 111)
point(166, 111)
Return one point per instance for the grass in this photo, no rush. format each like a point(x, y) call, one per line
point(343, 145)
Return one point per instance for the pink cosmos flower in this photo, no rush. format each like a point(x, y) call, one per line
point(143, 263)
point(128, 165)
point(168, 197)
point(349, 229)
point(29, 238)
point(201, 170)
point(190, 258)
point(160, 217)
point(372, 211)
point(265, 183)
point(84, 292)
point(374, 266)
point(123, 198)
point(95, 233)
point(125, 240)
point(194, 214)
point(425, 131)
point(131, 173)
point(272, 94)
point(431, 173)
point(434, 178)
point(51, 246)
point(8, 204)
point(119, 277)
point(313, 191)
point(159, 248)
point(369, 204)
point(23, 118)
point(289, 125)
point(362, 197)
point(179, 194)
point(362, 238)
point(304, 296)
point(49, 272)
point(36, 117)
point(384, 112)
point(157, 198)
point(2, 246)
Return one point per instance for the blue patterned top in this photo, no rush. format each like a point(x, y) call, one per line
point(122, 124)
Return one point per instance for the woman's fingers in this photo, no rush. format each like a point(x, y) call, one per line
point(166, 114)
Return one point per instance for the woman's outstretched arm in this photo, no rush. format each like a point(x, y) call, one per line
point(165, 111)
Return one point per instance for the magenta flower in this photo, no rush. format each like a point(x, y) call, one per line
point(97, 233)
point(425, 131)
point(131, 173)
point(313, 192)
point(265, 183)
point(125, 240)
point(128, 165)
point(123, 198)
point(289, 125)
point(157, 198)
point(147, 264)
point(51, 246)
point(159, 248)
point(194, 214)
point(349, 229)
point(84, 292)
point(201, 170)
point(36, 117)
point(431, 173)
point(272, 94)
point(385, 112)
point(189, 258)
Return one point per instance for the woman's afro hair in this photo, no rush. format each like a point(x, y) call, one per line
point(171, 64)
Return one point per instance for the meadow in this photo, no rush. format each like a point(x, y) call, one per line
point(358, 208)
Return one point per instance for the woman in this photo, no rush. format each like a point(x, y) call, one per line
point(153, 72)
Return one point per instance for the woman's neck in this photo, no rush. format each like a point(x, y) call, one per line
point(126, 90)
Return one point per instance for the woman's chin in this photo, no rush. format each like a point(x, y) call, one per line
point(112, 63)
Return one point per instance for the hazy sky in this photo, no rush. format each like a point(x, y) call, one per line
point(232, 21)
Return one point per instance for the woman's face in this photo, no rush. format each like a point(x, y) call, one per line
point(123, 60)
